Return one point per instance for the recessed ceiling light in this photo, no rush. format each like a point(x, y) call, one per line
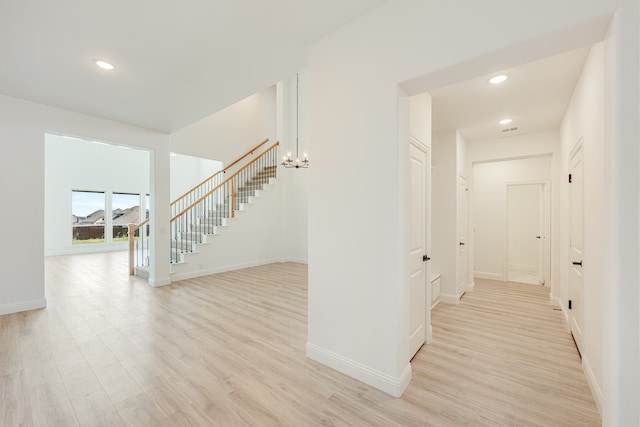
point(105, 65)
point(505, 121)
point(498, 79)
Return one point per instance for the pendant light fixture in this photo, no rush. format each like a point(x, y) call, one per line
point(287, 161)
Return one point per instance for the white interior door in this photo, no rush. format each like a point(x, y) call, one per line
point(525, 236)
point(542, 234)
point(419, 298)
point(576, 206)
point(463, 206)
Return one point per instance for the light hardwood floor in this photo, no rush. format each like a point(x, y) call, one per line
point(229, 350)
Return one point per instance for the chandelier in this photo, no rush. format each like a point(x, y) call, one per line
point(288, 161)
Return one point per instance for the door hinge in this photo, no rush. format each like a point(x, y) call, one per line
point(569, 178)
point(569, 304)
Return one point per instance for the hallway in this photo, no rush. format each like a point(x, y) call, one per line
point(503, 356)
point(229, 350)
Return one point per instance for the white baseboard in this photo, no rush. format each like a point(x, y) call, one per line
point(296, 260)
point(596, 391)
point(22, 306)
point(557, 302)
point(471, 287)
point(523, 267)
point(208, 271)
point(449, 298)
point(156, 283)
point(391, 385)
point(488, 276)
point(89, 249)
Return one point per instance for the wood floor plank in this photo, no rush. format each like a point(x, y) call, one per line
point(95, 409)
point(229, 350)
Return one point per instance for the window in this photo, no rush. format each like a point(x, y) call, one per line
point(125, 210)
point(87, 217)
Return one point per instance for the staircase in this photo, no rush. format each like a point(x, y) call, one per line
point(198, 215)
point(198, 223)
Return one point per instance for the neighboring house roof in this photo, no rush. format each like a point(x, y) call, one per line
point(96, 217)
point(126, 216)
point(120, 217)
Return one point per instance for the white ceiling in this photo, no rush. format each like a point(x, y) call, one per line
point(177, 61)
point(535, 96)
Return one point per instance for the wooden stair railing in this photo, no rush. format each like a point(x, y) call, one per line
point(219, 203)
point(188, 198)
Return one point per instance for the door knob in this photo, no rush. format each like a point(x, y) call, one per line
point(425, 258)
point(577, 263)
point(538, 237)
point(461, 243)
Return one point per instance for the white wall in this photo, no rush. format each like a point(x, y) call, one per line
point(81, 165)
point(448, 165)
point(357, 283)
point(229, 133)
point(584, 120)
point(188, 171)
point(22, 126)
point(294, 182)
point(489, 195)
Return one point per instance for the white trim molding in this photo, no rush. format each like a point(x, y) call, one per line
point(23, 306)
point(176, 276)
point(471, 287)
point(596, 391)
point(390, 385)
point(296, 260)
point(557, 302)
point(449, 298)
point(156, 283)
point(489, 276)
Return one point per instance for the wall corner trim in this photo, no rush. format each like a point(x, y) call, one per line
point(394, 386)
point(23, 306)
